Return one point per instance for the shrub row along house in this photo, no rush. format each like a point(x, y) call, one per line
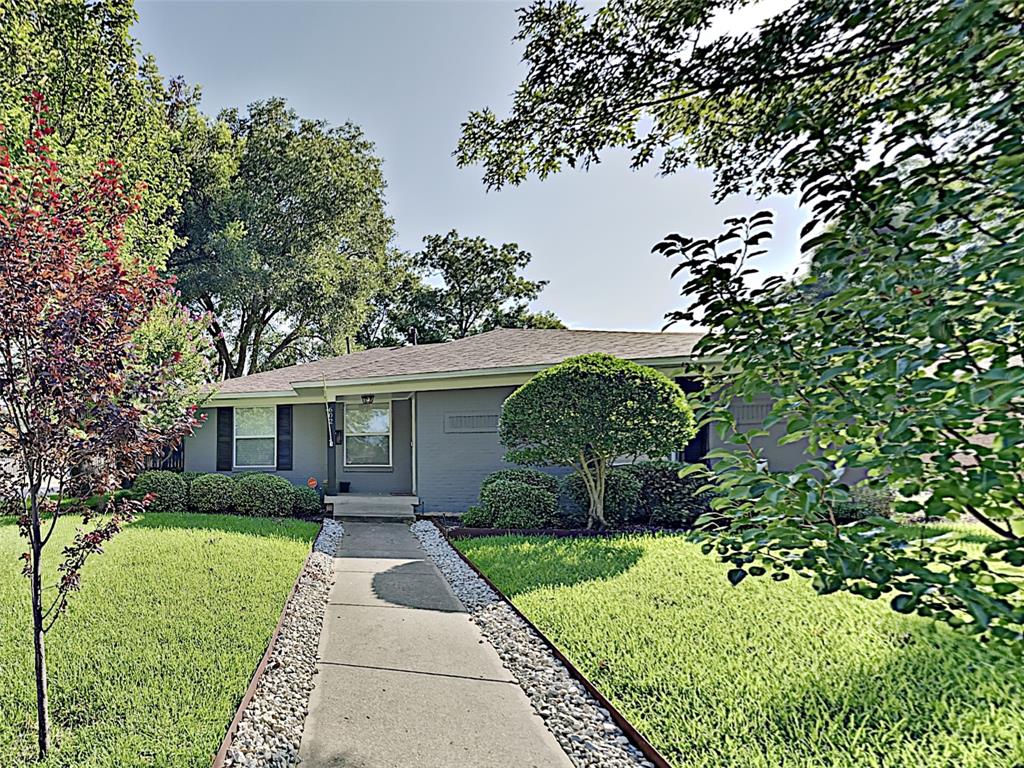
point(417, 421)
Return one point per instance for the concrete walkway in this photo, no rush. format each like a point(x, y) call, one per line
point(405, 678)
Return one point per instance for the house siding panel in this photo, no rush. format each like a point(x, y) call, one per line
point(451, 465)
point(394, 479)
point(781, 458)
point(309, 445)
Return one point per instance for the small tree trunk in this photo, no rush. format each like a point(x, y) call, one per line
point(599, 483)
point(39, 644)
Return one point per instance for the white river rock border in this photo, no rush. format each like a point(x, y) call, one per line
point(581, 725)
point(270, 730)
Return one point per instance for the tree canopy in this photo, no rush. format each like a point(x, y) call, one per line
point(590, 410)
point(898, 355)
point(104, 99)
point(283, 235)
point(455, 287)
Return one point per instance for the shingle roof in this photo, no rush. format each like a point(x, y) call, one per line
point(502, 348)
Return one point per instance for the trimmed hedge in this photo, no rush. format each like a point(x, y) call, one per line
point(258, 494)
point(306, 502)
point(621, 499)
point(212, 493)
point(864, 503)
point(170, 492)
point(533, 477)
point(514, 504)
point(477, 517)
point(189, 478)
point(262, 495)
point(667, 499)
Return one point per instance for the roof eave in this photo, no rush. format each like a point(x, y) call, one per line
point(668, 361)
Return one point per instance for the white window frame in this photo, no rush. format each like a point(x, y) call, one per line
point(235, 437)
point(391, 437)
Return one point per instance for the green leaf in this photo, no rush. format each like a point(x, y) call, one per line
point(904, 603)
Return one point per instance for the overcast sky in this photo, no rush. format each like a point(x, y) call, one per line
point(408, 73)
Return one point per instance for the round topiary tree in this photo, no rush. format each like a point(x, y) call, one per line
point(589, 410)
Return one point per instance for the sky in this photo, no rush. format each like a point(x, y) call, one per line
point(409, 73)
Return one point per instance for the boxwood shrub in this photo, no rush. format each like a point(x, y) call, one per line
point(514, 504)
point(621, 499)
point(864, 502)
point(477, 517)
point(170, 493)
point(189, 478)
point(667, 499)
point(263, 495)
point(533, 477)
point(211, 493)
point(306, 502)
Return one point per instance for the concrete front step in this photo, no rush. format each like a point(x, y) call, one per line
point(370, 508)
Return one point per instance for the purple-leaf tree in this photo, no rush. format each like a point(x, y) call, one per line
point(80, 406)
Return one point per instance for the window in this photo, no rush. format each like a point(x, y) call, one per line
point(368, 435)
point(255, 437)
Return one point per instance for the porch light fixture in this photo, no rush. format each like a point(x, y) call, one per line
point(367, 399)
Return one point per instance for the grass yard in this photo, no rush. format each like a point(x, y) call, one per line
point(154, 654)
point(766, 674)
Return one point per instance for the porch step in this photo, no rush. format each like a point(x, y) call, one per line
point(369, 507)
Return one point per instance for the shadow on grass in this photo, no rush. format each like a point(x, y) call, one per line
point(521, 564)
point(282, 528)
point(953, 535)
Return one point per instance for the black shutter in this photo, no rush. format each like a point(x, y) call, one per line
point(225, 439)
point(284, 437)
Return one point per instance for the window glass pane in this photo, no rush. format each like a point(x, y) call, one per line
point(254, 421)
point(367, 419)
point(254, 452)
point(368, 449)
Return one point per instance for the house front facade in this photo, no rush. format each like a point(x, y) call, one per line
point(417, 421)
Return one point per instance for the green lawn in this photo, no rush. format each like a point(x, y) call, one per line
point(155, 652)
point(766, 674)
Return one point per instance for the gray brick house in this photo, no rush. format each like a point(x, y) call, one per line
point(417, 421)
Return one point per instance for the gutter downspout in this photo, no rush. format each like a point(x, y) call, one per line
point(415, 464)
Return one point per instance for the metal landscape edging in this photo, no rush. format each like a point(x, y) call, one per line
point(460, 532)
point(639, 741)
point(257, 675)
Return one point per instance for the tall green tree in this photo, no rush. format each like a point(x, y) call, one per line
point(284, 235)
point(455, 287)
point(898, 357)
point(405, 307)
point(105, 100)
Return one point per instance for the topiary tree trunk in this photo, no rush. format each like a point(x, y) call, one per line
point(594, 472)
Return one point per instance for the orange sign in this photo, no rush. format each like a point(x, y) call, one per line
point(311, 482)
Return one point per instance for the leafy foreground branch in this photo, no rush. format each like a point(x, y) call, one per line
point(898, 379)
point(81, 402)
point(897, 357)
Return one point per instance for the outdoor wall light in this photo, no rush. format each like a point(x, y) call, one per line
point(367, 399)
